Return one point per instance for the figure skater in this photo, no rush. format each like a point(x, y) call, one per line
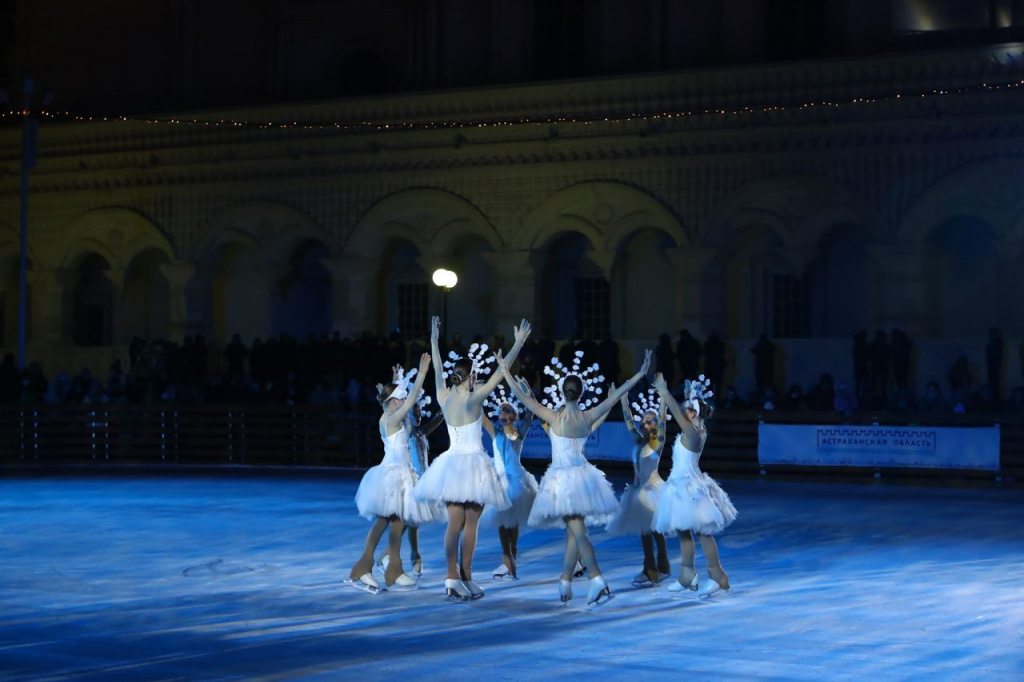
point(638, 502)
point(693, 502)
point(573, 492)
point(464, 478)
point(419, 450)
point(385, 494)
point(520, 485)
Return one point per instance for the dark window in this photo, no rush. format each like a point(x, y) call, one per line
point(593, 307)
point(561, 39)
point(791, 307)
point(413, 315)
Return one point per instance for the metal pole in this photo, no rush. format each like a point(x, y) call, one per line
point(28, 159)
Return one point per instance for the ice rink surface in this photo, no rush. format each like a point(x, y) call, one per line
point(238, 575)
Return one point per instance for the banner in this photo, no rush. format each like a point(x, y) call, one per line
point(929, 447)
point(611, 441)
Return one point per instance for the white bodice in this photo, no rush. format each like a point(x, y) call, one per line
point(646, 463)
point(567, 452)
point(685, 463)
point(396, 449)
point(466, 438)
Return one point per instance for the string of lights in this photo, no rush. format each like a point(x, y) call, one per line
point(379, 126)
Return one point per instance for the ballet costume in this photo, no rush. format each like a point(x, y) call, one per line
point(636, 513)
point(572, 486)
point(519, 485)
point(387, 489)
point(464, 473)
point(692, 501)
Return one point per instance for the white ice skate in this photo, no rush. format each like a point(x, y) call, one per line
point(456, 591)
point(599, 592)
point(677, 586)
point(366, 582)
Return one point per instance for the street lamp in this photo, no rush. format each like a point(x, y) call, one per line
point(446, 281)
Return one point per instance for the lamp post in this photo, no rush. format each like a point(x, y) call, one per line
point(29, 129)
point(446, 281)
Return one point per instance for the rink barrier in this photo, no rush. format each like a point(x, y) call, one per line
point(308, 435)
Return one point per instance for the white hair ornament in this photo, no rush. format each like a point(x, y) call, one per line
point(646, 401)
point(502, 396)
point(697, 390)
point(590, 377)
point(477, 354)
point(402, 383)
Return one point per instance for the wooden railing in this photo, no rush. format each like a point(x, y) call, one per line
point(39, 435)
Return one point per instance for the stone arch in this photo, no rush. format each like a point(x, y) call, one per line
point(799, 208)
point(604, 212)
point(431, 219)
point(269, 226)
point(116, 234)
point(10, 244)
point(987, 190)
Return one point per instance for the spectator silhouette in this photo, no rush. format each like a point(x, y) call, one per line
point(823, 395)
point(994, 362)
point(880, 352)
point(861, 364)
point(236, 353)
point(714, 360)
point(902, 349)
point(932, 400)
point(608, 354)
point(665, 360)
point(764, 362)
point(688, 352)
point(959, 376)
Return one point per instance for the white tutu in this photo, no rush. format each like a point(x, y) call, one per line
point(636, 509)
point(464, 473)
point(692, 500)
point(522, 491)
point(387, 490)
point(579, 490)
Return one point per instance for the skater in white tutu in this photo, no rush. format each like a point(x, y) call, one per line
point(638, 502)
point(693, 502)
point(385, 494)
point(573, 493)
point(464, 477)
point(520, 485)
point(419, 451)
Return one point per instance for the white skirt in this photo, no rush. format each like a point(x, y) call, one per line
point(387, 490)
point(636, 509)
point(522, 491)
point(462, 477)
point(573, 491)
point(693, 503)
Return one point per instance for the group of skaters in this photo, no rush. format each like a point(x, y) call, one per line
point(464, 486)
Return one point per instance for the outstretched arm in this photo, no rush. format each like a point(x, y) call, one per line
point(669, 400)
point(523, 392)
point(522, 332)
point(433, 423)
point(627, 414)
point(614, 395)
point(662, 413)
point(398, 415)
point(488, 426)
point(439, 388)
point(524, 423)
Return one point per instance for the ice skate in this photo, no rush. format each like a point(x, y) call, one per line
point(677, 586)
point(475, 591)
point(366, 582)
point(501, 573)
point(456, 591)
point(405, 582)
point(565, 591)
point(599, 592)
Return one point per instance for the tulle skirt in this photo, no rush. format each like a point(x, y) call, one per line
point(462, 477)
point(636, 509)
point(573, 491)
point(521, 489)
point(387, 490)
point(695, 503)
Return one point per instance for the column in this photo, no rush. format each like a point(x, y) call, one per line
point(116, 325)
point(352, 286)
point(689, 264)
point(178, 276)
point(515, 288)
point(901, 298)
point(52, 306)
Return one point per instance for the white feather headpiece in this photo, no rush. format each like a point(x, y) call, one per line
point(477, 354)
point(647, 401)
point(590, 377)
point(502, 396)
point(698, 390)
point(402, 383)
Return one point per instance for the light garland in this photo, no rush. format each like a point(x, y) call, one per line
point(391, 126)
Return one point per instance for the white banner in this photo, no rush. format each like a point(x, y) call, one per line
point(611, 441)
point(930, 447)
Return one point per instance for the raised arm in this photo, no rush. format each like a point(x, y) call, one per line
point(667, 399)
point(627, 414)
point(398, 415)
point(433, 423)
point(615, 394)
point(439, 386)
point(524, 423)
point(522, 332)
point(523, 392)
point(488, 426)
